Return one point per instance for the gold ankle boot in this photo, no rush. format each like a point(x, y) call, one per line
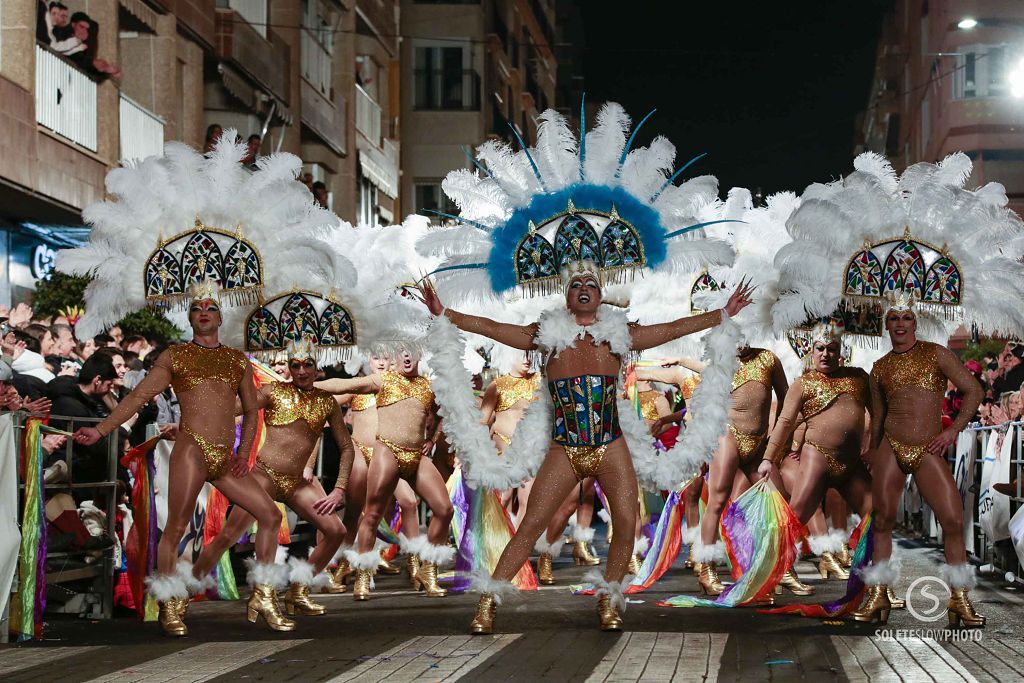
point(297, 601)
point(172, 615)
point(486, 610)
point(895, 602)
point(791, 581)
point(364, 581)
point(844, 557)
point(708, 579)
point(581, 555)
point(545, 575)
point(428, 577)
point(609, 616)
point(635, 564)
point(875, 606)
point(689, 563)
point(830, 565)
point(386, 567)
point(412, 565)
point(263, 603)
point(342, 572)
point(333, 586)
point(961, 611)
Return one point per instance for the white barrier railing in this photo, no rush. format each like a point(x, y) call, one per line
point(142, 132)
point(65, 99)
point(368, 116)
point(316, 63)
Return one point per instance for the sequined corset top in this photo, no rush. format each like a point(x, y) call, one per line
point(193, 364)
point(917, 367)
point(288, 404)
point(586, 413)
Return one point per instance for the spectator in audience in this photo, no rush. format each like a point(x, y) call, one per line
point(307, 180)
point(63, 339)
point(320, 194)
point(52, 27)
point(138, 345)
point(252, 150)
point(213, 133)
point(23, 349)
point(1013, 369)
point(116, 335)
point(83, 397)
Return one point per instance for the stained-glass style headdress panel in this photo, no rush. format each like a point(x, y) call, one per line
point(301, 315)
point(704, 284)
point(199, 255)
point(884, 269)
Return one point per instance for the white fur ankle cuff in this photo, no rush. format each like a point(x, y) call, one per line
point(264, 574)
point(959, 576)
point(641, 546)
point(613, 589)
point(412, 546)
point(824, 544)
point(884, 573)
point(193, 584)
point(481, 582)
point(545, 548)
point(164, 587)
point(708, 553)
point(441, 555)
point(582, 534)
point(368, 560)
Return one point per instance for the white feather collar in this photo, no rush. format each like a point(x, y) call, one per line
point(559, 330)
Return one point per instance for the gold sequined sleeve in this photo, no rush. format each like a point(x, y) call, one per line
point(516, 336)
point(650, 336)
point(876, 413)
point(250, 412)
point(963, 380)
point(780, 385)
point(785, 424)
point(314, 455)
point(345, 447)
point(370, 384)
point(155, 381)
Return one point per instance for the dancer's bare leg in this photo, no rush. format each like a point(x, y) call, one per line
point(724, 468)
point(430, 485)
point(939, 490)
point(409, 505)
point(355, 498)
point(886, 485)
point(186, 474)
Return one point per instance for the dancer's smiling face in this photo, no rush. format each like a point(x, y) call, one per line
point(901, 326)
point(583, 294)
point(303, 372)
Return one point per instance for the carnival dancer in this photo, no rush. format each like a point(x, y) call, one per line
point(832, 399)
point(584, 346)
point(549, 546)
point(295, 414)
point(206, 377)
point(363, 411)
point(913, 378)
point(402, 447)
point(734, 465)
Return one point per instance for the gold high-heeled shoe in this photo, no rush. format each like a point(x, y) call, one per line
point(843, 556)
point(172, 615)
point(875, 606)
point(582, 556)
point(386, 567)
point(791, 581)
point(263, 603)
point(333, 586)
point(297, 601)
point(486, 610)
point(412, 565)
point(609, 616)
point(961, 611)
point(342, 572)
point(635, 564)
point(708, 579)
point(689, 563)
point(897, 603)
point(828, 564)
point(545, 574)
point(364, 581)
point(428, 577)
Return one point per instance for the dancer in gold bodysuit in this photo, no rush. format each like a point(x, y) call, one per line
point(581, 371)
point(295, 414)
point(405, 409)
point(207, 377)
point(913, 378)
point(734, 465)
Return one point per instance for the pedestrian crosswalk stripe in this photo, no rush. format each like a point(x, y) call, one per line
point(199, 663)
point(662, 656)
point(433, 658)
point(21, 658)
point(905, 658)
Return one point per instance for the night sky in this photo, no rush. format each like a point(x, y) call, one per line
point(770, 90)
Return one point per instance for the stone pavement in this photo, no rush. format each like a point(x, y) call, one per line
point(549, 635)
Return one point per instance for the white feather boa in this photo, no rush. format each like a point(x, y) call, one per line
point(558, 331)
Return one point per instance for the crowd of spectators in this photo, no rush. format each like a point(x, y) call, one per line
point(75, 35)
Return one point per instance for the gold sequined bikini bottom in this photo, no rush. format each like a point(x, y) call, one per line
point(408, 458)
point(838, 468)
point(907, 457)
point(747, 445)
point(216, 456)
point(506, 439)
point(367, 451)
point(584, 460)
point(285, 484)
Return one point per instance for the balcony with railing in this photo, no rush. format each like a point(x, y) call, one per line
point(142, 131)
point(263, 55)
point(368, 117)
point(447, 89)
point(316, 62)
point(65, 99)
point(253, 11)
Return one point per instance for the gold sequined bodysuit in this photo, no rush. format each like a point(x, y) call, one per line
point(287, 404)
point(394, 388)
point(359, 403)
point(901, 378)
point(752, 402)
point(821, 392)
point(649, 404)
point(511, 390)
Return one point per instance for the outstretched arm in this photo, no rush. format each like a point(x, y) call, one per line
point(649, 336)
point(370, 384)
point(158, 379)
point(250, 423)
point(516, 336)
point(488, 404)
point(336, 498)
point(964, 381)
point(671, 375)
point(780, 385)
point(778, 444)
point(876, 414)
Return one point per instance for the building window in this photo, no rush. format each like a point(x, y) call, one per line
point(317, 47)
point(981, 71)
point(367, 203)
point(253, 11)
point(444, 81)
point(430, 197)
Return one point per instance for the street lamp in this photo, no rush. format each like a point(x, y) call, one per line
point(967, 23)
point(1016, 79)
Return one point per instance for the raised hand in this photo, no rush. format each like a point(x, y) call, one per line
point(40, 405)
point(427, 295)
point(740, 298)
